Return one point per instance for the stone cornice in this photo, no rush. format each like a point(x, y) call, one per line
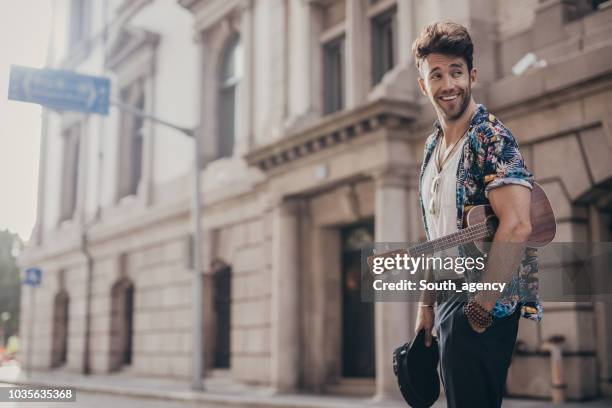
point(333, 130)
point(128, 42)
point(209, 12)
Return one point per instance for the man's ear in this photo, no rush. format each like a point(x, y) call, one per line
point(473, 76)
point(422, 86)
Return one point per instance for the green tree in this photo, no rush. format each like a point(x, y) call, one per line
point(10, 286)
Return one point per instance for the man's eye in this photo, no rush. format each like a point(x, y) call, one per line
point(457, 74)
point(435, 76)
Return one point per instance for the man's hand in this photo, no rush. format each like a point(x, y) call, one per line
point(425, 321)
point(475, 328)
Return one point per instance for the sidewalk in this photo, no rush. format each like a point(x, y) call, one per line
point(221, 392)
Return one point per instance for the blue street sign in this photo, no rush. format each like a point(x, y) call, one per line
point(59, 89)
point(33, 277)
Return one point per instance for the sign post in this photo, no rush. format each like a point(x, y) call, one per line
point(32, 278)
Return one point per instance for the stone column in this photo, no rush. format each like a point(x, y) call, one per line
point(39, 228)
point(284, 308)
point(405, 30)
point(356, 82)
point(315, 57)
point(393, 323)
point(148, 150)
point(304, 65)
point(80, 211)
point(244, 140)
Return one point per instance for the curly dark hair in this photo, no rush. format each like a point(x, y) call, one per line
point(444, 37)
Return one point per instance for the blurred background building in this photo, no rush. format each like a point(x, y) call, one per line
point(313, 129)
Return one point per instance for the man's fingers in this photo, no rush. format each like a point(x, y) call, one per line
point(428, 338)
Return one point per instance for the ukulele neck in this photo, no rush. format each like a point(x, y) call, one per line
point(470, 234)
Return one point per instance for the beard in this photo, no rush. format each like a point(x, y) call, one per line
point(457, 109)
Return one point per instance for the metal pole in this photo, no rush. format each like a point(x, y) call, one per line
point(30, 332)
point(142, 114)
point(198, 278)
point(196, 215)
point(86, 364)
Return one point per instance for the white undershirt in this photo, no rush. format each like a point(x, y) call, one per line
point(444, 222)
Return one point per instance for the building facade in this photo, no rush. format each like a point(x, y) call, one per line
point(313, 128)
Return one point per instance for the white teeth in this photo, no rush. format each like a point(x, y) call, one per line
point(448, 98)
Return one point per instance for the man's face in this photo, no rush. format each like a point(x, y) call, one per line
point(448, 84)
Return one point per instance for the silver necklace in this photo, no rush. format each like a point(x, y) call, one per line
point(435, 183)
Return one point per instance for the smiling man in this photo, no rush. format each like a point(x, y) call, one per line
point(471, 158)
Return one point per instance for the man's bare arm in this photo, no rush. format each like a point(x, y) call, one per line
point(511, 204)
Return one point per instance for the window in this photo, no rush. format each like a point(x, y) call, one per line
point(131, 143)
point(79, 21)
point(333, 75)
point(384, 34)
point(70, 171)
point(332, 40)
point(576, 9)
point(230, 76)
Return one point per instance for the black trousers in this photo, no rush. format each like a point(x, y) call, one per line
point(474, 365)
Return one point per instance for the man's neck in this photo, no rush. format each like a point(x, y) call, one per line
point(454, 129)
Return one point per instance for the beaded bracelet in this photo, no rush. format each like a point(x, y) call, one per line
point(477, 315)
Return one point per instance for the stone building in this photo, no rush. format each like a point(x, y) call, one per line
point(312, 129)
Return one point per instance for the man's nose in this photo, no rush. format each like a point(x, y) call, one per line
point(447, 83)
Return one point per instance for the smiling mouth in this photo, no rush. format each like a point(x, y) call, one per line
point(449, 97)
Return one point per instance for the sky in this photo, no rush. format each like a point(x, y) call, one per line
point(25, 27)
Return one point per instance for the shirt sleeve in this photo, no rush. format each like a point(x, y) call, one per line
point(504, 163)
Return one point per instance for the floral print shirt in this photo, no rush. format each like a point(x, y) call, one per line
point(491, 159)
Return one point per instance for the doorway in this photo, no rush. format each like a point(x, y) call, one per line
point(222, 303)
point(122, 324)
point(59, 353)
point(357, 316)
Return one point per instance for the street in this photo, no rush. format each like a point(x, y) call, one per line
point(99, 400)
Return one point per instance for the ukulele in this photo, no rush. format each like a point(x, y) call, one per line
point(480, 224)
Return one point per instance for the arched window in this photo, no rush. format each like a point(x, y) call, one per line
point(222, 307)
point(229, 77)
point(122, 322)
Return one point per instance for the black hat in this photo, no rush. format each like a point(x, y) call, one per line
point(416, 368)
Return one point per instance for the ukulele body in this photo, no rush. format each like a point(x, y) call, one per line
point(543, 222)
